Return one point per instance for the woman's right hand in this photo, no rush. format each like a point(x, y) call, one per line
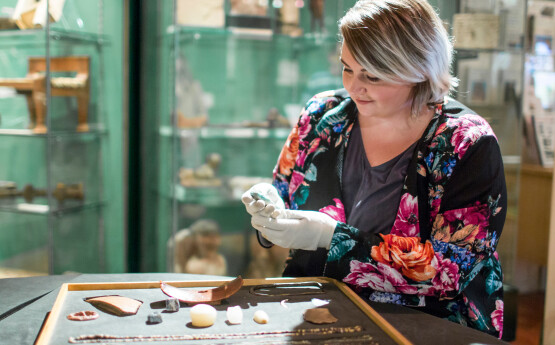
point(263, 199)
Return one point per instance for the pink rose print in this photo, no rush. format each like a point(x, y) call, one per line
point(471, 128)
point(302, 154)
point(497, 317)
point(447, 276)
point(477, 216)
point(379, 277)
point(304, 126)
point(337, 212)
point(296, 179)
point(301, 157)
point(435, 208)
point(406, 222)
point(314, 145)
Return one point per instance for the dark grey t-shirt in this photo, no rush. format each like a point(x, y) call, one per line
point(371, 195)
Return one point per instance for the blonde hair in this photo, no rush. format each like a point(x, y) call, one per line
point(402, 41)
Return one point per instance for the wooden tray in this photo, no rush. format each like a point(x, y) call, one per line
point(285, 326)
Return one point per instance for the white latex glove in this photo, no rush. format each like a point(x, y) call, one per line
point(264, 199)
point(294, 229)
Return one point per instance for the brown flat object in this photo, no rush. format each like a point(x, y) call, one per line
point(211, 296)
point(86, 315)
point(116, 305)
point(319, 316)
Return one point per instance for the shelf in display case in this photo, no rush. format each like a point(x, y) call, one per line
point(227, 132)
point(188, 33)
point(36, 36)
point(40, 209)
point(92, 133)
point(467, 53)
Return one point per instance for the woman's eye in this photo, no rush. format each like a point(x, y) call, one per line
point(373, 79)
point(346, 70)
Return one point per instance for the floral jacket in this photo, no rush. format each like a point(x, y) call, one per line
point(440, 254)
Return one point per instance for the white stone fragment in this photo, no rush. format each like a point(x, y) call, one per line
point(203, 315)
point(320, 302)
point(261, 317)
point(235, 315)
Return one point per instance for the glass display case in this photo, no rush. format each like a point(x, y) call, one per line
point(60, 110)
point(489, 60)
point(230, 80)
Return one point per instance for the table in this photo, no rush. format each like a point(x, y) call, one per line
point(25, 302)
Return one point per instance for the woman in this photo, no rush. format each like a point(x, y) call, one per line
point(388, 185)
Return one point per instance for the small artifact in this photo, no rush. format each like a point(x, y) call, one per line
point(86, 315)
point(288, 289)
point(235, 315)
point(317, 19)
point(196, 249)
point(34, 14)
point(261, 317)
point(319, 316)
point(214, 295)
point(70, 191)
point(115, 305)
point(34, 87)
point(154, 318)
point(319, 302)
point(203, 315)
point(283, 303)
point(204, 175)
point(62, 192)
point(172, 305)
point(108, 338)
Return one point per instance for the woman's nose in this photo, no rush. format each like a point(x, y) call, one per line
point(357, 85)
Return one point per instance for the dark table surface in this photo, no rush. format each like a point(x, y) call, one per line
point(25, 302)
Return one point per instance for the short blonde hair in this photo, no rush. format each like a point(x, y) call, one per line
point(402, 41)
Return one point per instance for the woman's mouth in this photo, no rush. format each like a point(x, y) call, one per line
point(361, 101)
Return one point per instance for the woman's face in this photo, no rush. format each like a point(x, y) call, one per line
point(373, 96)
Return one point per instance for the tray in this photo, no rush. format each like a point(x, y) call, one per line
point(358, 323)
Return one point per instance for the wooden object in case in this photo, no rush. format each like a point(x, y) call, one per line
point(33, 86)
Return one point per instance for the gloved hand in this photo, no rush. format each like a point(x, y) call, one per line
point(295, 229)
point(262, 198)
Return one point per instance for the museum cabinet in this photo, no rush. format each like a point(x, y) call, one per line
point(224, 84)
point(61, 136)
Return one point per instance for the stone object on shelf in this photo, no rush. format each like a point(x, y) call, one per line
point(317, 16)
point(261, 317)
point(154, 318)
point(29, 193)
point(273, 120)
point(249, 7)
point(172, 305)
point(32, 14)
point(265, 262)
point(204, 175)
point(33, 86)
point(203, 315)
point(192, 103)
point(206, 13)
point(288, 18)
point(7, 23)
point(234, 315)
point(195, 249)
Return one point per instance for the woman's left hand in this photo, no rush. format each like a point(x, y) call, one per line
point(295, 229)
